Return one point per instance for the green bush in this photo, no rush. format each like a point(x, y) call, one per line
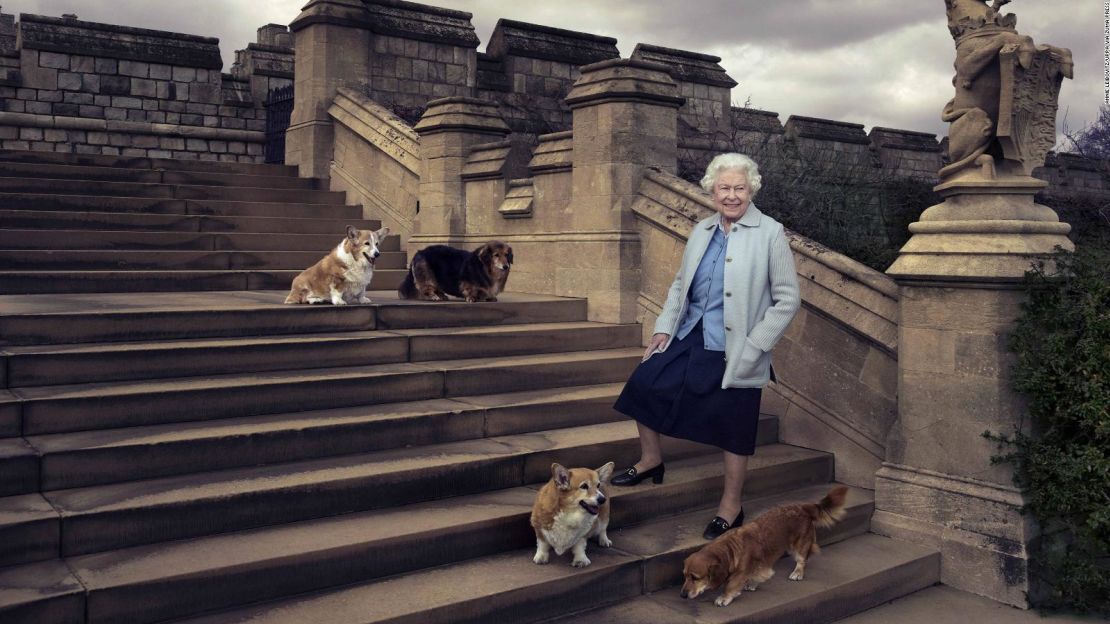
point(1062, 344)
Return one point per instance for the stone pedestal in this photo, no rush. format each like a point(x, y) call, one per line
point(332, 43)
point(625, 118)
point(448, 130)
point(960, 278)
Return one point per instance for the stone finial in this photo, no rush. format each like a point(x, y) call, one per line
point(1003, 116)
point(461, 113)
point(624, 80)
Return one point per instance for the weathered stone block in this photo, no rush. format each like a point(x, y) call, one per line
point(151, 104)
point(64, 109)
point(196, 145)
point(136, 114)
point(8, 133)
point(115, 85)
point(90, 83)
point(76, 97)
point(171, 143)
point(54, 60)
point(133, 151)
point(161, 72)
point(135, 69)
point(184, 74)
point(98, 138)
point(45, 96)
point(82, 64)
point(35, 76)
point(118, 139)
point(90, 111)
point(155, 116)
point(143, 87)
point(107, 66)
point(30, 134)
point(17, 145)
point(115, 113)
point(127, 102)
point(192, 119)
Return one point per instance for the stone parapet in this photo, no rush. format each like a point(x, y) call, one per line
point(420, 22)
point(8, 35)
point(757, 120)
point(521, 39)
point(687, 66)
point(64, 35)
point(504, 160)
point(798, 127)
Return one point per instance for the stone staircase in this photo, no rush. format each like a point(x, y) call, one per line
point(74, 223)
point(176, 445)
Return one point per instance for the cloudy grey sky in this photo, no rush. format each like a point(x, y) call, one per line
point(874, 62)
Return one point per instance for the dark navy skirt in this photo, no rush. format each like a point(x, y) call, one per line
point(678, 393)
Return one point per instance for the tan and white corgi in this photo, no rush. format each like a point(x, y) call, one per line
point(569, 509)
point(342, 276)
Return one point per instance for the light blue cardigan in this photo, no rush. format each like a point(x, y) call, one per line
point(761, 294)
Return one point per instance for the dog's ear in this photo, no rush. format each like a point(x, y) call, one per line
point(605, 472)
point(561, 476)
point(485, 252)
point(382, 233)
point(509, 253)
point(352, 232)
point(716, 573)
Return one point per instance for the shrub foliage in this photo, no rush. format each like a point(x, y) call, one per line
point(1062, 344)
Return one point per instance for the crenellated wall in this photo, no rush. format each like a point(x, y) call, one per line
point(68, 85)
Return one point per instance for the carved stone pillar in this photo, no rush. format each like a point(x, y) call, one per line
point(625, 119)
point(448, 130)
point(332, 43)
point(960, 276)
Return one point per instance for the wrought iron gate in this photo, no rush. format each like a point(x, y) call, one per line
point(279, 108)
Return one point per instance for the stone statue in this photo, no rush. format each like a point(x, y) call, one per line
point(1003, 117)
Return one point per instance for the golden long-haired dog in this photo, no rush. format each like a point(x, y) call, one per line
point(743, 558)
point(439, 270)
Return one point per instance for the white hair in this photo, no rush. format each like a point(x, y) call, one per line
point(732, 160)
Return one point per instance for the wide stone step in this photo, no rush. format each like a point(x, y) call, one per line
point(124, 241)
point(150, 583)
point(167, 191)
point(95, 362)
point(153, 229)
point(30, 530)
point(146, 281)
point(509, 588)
point(844, 579)
point(115, 455)
point(46, 202)
point(116, 317)
point(94, 174)
point(84, 407)
point(131, 162)
point(19, 472)
point(107, 517)
point(172, 260)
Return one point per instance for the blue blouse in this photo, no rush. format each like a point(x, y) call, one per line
point(706, 296)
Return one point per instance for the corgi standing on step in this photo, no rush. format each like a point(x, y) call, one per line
point(569, 509)
point(342, 276)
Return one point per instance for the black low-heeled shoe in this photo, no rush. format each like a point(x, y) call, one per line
point(718, 525)
point(630, 476)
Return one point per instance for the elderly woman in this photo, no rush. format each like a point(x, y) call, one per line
point(703, 372)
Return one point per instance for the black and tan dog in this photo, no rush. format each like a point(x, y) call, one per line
point(439, 271)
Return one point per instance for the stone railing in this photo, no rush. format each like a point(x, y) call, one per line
point(837, 363)
point(376, 161)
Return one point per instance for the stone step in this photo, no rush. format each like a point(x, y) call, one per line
point(175, 579)
point(844, 579)
point(509, 588)
point(131, 162)
point(39, 593)
point(130, 241)
point(94, 174)
point(46, 201)
point(107, 405)
point(146, 281)
point(172, 260)
point(95, 362)
point(117, 317)
point(156, 228)
point(107, 517)
point(167, 191)
point(87, 458)
point(19, 472)
point(30, 530)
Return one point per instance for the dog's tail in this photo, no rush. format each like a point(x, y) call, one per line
point(407, 289)
point(831, 508)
